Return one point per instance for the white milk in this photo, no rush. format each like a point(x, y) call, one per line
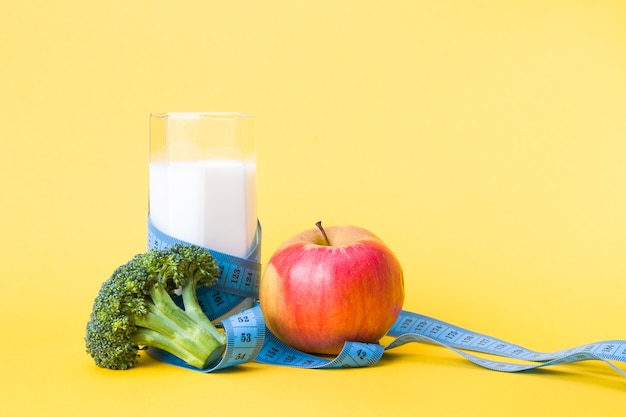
point(210, 203)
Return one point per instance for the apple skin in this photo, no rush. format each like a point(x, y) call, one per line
point(315, 297)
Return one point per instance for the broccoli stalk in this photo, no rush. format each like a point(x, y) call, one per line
point(135, 309)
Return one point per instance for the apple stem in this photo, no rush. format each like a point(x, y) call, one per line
point(319, 226)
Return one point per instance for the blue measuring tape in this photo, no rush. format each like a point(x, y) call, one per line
point(413, 327)
point(248, 339)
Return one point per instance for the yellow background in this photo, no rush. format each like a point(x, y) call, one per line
point(483, 140)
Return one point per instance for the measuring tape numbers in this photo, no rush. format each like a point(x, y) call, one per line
point(244, 332)
point(353, 355)
point(413, 327)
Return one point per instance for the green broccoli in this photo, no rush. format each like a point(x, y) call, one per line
point(135, 309)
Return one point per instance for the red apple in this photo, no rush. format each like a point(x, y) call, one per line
point(324, 287)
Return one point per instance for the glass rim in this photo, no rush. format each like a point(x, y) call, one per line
point(201, 114)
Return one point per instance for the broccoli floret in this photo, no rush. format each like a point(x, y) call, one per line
point(135, 309)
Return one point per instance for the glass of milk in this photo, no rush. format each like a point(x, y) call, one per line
point(203, 179)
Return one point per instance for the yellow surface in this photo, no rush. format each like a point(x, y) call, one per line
point(484, 141)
